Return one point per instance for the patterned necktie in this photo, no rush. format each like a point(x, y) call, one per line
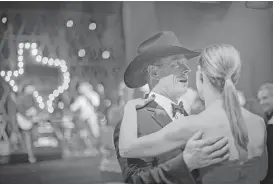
point(178, 108)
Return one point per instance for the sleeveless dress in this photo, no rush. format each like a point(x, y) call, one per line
point(241, 171)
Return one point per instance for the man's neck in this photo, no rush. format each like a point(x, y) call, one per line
point(162, 92)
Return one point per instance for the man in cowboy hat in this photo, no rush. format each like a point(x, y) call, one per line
point(161, 62)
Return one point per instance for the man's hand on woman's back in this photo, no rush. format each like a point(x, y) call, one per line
point(201, 153)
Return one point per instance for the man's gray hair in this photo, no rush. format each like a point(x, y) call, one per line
point(268, 87)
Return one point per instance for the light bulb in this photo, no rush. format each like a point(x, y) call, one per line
point(12, 82)
point(34, 52)
point(57, 62)
point(92, 26)
point(35, 94)
point(33, 45)
point(39, 58)
point(69, 23)
point(50, 61)
point(55, 93)
point(51, 97)
point(15, 73)
point(20, 58)
point(27, 45)
point(81, 53)
point(64, 68)
point(42, 105)
point(4, 20)
point(20, 64)
point(21, 45)
point(21, 71)
point(20, 51)
point(15, 88)
point(45, 60)
point(9, 73)
point(105, 54)
point(7, 78)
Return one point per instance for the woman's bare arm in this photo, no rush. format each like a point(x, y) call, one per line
point(172, 136)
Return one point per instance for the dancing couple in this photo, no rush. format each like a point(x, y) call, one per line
point(158, 142)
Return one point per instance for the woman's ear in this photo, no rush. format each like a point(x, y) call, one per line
point(201, 77)
point(200, 74)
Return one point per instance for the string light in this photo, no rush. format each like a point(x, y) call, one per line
point(12, 82)
point(61, 105)
point(27, 45)
point(39, 58)
point(7, 78)
point(4, 20)
point(33, 45)
point(34, 52)
point(35, 94)
point(69, 23)
point(9, 73)
point(105, 54)
point(46, 61)
point(42, 105)
point(3, 73)
point(20, 52)
point(15, 73)
point(81, 53)
point(50, 61)
point(21, 45)
point(92, 26)
point(20, 64)
point(20, 58)
point(21, 71)
point(15, 88)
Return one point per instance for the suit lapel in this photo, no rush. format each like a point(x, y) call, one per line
point(158, 114)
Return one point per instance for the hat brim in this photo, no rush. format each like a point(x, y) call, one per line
point(135, 73)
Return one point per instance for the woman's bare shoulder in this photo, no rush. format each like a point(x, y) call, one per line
point(198, 121)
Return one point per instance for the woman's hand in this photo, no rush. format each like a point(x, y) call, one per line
point(140, 102)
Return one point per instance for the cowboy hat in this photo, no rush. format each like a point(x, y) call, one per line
point(160, 45)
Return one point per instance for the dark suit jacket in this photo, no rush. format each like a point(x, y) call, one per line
point(167, 168)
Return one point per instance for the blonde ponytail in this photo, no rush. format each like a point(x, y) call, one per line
point(234, 113)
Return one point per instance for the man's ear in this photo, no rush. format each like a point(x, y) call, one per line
point(153, 71)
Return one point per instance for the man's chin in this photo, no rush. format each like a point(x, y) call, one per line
point(184, 90)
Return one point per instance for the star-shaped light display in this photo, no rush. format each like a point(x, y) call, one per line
point(10, 76)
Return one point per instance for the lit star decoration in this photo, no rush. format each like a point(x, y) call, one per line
point(32, 47)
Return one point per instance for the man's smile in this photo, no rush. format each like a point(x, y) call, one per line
point(182, 80)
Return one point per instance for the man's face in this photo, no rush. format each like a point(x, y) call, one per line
point(266, 100)
point(173, 74)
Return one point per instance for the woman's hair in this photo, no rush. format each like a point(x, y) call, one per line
point(222, 65)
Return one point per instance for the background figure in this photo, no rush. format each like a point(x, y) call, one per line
point(26, 112)
point(265, 96)
point(114, 116)
point(85, 104)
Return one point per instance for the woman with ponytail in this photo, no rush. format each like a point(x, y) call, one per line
point(218, 71)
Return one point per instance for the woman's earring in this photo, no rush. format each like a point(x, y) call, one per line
point(201, 78)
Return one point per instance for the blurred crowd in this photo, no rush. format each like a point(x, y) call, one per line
point(82, 119)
